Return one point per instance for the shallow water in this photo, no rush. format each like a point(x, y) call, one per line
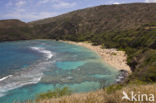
point(28, 68)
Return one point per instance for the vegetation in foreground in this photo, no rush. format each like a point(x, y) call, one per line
point(58, 92)
point(112, 94)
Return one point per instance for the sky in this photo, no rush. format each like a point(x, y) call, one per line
point(30, 10)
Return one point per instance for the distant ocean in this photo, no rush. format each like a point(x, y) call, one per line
point(28, 68)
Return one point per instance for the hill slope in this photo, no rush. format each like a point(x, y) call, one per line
point(14, 30)
point(97, 20)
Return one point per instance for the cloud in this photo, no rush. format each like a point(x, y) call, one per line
point(29, 10)
point(150, 1)
point(63, 5)
point(20, 10)
point(29, 15)
point(20, 3)
point(43, 1)
point(116, 3)
point(57, 4)
point(40, 2)
point(16, 4)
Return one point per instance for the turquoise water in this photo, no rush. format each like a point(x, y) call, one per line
point(67, 65)
point(28, 68)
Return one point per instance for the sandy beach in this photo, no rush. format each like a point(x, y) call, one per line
point(113, 57)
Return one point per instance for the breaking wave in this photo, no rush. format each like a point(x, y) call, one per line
point(6, 77)
point(28, 75)
point(47, 53)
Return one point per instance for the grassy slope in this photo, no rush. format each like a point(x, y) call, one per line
point(103, 96)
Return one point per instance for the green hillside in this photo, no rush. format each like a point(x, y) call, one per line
point(100, 19)
point(11, 30)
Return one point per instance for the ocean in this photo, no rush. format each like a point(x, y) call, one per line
point(28, 68)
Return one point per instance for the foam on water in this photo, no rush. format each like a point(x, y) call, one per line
point(47, 53)
point(78, 68)
point(28, 75)
point(6, 77)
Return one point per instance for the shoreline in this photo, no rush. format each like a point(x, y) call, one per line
point(113, 57)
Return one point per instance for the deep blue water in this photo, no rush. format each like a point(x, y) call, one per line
point(28, 68)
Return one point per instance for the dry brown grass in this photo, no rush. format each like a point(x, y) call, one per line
point(101, 96)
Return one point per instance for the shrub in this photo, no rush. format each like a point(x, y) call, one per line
point(54, 94)
point(113, 88)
